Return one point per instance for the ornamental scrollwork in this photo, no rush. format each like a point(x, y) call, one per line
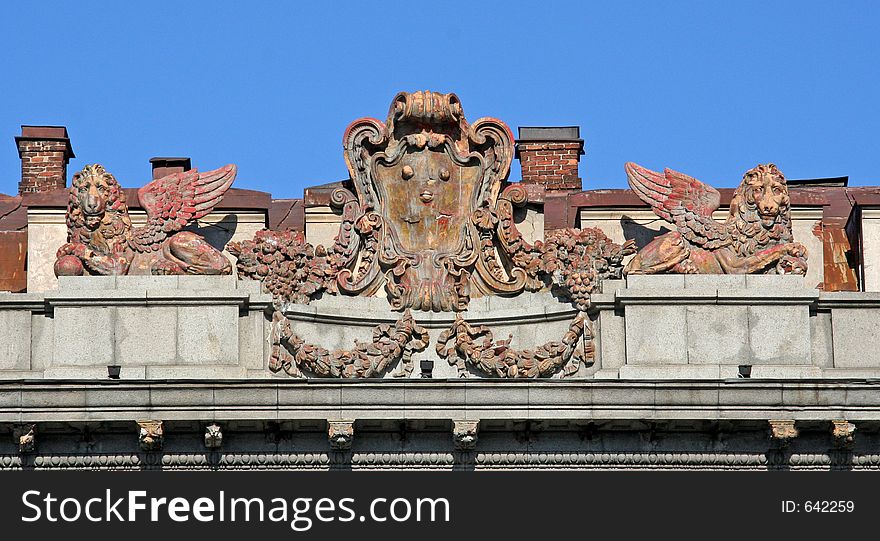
point(429, 217)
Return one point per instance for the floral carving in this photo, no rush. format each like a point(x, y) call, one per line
point(291, 269)
point(464, 344)
point(576, 259)
point(390, 344)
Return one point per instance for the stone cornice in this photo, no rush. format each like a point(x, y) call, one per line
point(273, 399)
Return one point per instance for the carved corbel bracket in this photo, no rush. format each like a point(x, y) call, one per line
point(782, 431)
point(151, 435)
point(25, 436)
point(340, 434)
point(465, 434)
point(213, 436)
point(843, 433)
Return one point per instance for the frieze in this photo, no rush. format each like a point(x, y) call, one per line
point(539, 460)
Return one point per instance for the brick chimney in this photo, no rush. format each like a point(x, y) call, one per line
point(550, 156)
point(167, 166)
point(45, 152)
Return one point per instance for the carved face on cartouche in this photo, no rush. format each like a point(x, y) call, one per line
point(429, 195)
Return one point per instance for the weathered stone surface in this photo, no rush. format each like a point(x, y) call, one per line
point(213, 436)
point(785, 371)
point(871, 249)
point(663, 281)
point(747, 242)
point(856, 337)
point(465, 434)
point(15, 339)
point(780, 335)
point(773, 282)
point(142, 283)
point(46, 232)
point(207, 334)
point(612, 340)
point(467, 346)
point(340, 434)
point(84, 339)
point(97, 208)
point(71, 283)
point(146, 335)
point(822, 340)
point(207, 282)
point(195, 372)
point(656, 334)
point(25, 436)
point(680, 371)
point(715, 281)
point(42, 341)
point(717, 335)
point(151, 435)
point(251, 339)
point(93, 372)
point(783, 430)
point(843, 433)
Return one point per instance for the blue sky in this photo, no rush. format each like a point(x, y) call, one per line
point(708, 88)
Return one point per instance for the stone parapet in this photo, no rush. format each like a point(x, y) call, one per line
point(151, 327)
point(645, 327)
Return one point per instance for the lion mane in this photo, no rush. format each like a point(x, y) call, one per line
point(115, 229)
point(748, 230)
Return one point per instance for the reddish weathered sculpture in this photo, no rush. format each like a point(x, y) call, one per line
point(756, 238)
point(102, 241)
point(431, 219)
point(464, 344)
point(420, 180)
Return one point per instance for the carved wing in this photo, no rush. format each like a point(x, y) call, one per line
point(682, 200)
point(175, 200)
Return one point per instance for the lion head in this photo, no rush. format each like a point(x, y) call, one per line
point(97, 214)
point(761, 210)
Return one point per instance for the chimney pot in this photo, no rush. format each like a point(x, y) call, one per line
point(164, 166)
point(550, 156)
point(45, 152)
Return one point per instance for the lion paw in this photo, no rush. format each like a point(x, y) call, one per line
point(75, 249)
point(791, 265)
point(686, 267)
point(165, 267)
point(796, 249)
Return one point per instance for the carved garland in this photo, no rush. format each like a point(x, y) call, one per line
point(464, 344)
point(390, 344)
